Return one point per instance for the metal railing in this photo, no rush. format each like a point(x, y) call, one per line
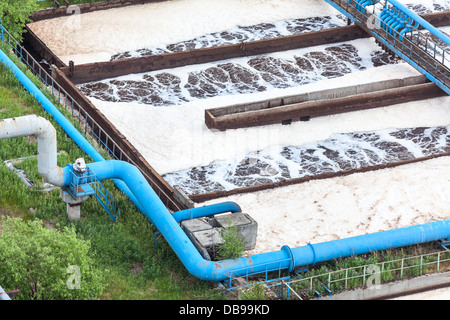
point(81, 115)
point(273, 272)
point(415, 46)
point(86, 183)
point(367, 275)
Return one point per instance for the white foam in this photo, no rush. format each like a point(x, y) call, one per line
point(84, 39)
point(175, 138)
point(362, 203)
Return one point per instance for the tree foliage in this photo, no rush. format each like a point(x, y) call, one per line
point(15, 14)
point(45, 264)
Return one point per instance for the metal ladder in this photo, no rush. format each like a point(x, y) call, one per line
point(87, 184)
point(404, 33)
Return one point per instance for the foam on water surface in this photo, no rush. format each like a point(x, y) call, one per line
point(340, 153)
point(173, 136)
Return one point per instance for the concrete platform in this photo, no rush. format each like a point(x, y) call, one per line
point(206, 233)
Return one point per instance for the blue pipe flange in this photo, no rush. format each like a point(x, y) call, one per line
point(288, 251)
point(314, 253)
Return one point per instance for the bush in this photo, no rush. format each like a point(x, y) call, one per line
point(232, 246)
point(15, 14)
point(255, 292)
point(45, 264)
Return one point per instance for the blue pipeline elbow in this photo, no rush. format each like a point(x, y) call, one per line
point(206, 211)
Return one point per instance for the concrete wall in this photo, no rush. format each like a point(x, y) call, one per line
point(318, 95)
point(322, 103)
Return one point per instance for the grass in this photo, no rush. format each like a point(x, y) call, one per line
point(125, 249)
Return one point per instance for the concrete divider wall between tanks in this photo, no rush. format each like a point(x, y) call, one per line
point(111, 69)
point(104, 70)
point(321, 103)
point(33, 43)
point(318, 95)
point(51, 13)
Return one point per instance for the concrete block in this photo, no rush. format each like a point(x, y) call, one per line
point(203, 235)
point(206, 233)
point(246, 226)
point(73, 205)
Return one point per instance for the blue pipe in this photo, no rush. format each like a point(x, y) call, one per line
point(286, 258)
point(377, 241)
point(397, 20)
point(398, 27)
point(70, 130)
point(387, 19)
point(383, 15)
point(367, 3)
point(407, 29)
point(206, 211)
point(392, 18)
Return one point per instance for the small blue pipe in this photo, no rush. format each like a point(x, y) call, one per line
point(206, 211)
point(398, 27)
point(392, 18)
point(404, 31)
point(384, 14)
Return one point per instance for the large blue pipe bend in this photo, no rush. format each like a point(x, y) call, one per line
point(165, 222)
point(129, 179)
point(70, 130)
point(285, 258)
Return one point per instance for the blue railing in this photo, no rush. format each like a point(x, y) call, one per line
point(405, 33)
point(87, 184)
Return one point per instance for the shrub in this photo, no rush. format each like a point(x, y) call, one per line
point(15, 14)
point(39, 262)
point(232, 246)
point(255, 292)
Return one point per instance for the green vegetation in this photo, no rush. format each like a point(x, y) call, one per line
point(124, 251)
point(254, 292)
point(15, 14)
point(36, 259)
point(232, 246)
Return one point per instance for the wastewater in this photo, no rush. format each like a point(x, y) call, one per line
point(246, 75)
point(339, 154)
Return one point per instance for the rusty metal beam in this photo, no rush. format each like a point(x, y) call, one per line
point(111, 69)
point(62, 11)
